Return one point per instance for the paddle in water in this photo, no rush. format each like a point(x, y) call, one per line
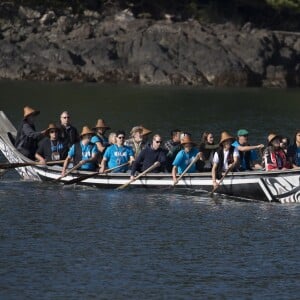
point(221, 180)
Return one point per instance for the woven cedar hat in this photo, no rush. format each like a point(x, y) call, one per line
point(51, 126)
point(136, 129)
point(86, 130)
point(145, 130)
point(28, 111)
point(101, 124)
point(225, 136)
point(187, 140)
point(273, 136)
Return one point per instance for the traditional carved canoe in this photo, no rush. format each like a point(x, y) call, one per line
point(276, 186)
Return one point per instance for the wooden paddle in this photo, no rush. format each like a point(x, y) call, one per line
point(25, 164)
point(86, 176)
point(186, 169)
point(156, 164)
point(225, 174)
point(69, 171)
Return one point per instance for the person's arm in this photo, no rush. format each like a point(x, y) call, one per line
point(28, 131)
point(100, 147)
point(248, 148)
point(214, 175)
point(103, 165)
point(65, 165)
point(40, 158)
point(174, 173)
point(214, 170)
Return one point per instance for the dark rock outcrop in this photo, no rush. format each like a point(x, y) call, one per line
point(45, 45)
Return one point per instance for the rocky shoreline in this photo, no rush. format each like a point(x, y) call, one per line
point(51, 46)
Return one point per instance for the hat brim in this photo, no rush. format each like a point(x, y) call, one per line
point(227, 139)
point(276, 136)
point(34, 113)
point(192, 143)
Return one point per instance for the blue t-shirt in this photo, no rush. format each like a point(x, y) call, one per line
point(96, 139)
point(253, 155)
point(183, 159)
point(118, 155)
point(86, 151)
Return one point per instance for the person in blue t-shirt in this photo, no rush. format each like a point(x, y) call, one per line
point(248, 155)
point(185, 157)
point(117, 154)
point(83, 152)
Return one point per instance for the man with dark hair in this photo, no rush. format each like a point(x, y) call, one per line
point(51, 147)
point(117, 154)
point(172, 147)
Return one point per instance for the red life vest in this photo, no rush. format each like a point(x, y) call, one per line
point(276, 160)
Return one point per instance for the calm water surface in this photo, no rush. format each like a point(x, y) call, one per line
point(76, 243)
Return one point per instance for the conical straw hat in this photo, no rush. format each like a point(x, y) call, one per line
point(145, 130)
point(272, 136)
point(136, 129)
point(101, 124)
point(86, 130)
point(51, 126)
point(28, 111)
point(225, 136)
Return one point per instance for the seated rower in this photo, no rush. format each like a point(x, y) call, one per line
point(136, 142)
point(274, 156)
point(83, 152)
point(185, 157)
point(172, 147)
point(207, 149)
point(117, 154)
point(150, 155)
point(51, 147)
point(99, 138)
point(225, 158)
point(293, 151)
point(248, 157)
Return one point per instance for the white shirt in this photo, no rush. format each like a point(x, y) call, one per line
point(226, 153)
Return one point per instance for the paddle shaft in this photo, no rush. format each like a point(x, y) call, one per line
point(68, 172)
point(140, 175)
point(187, 168)
point(86, 176)
point(225, 174)
point(25, 164)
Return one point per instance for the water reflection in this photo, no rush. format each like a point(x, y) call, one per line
point(60, 242)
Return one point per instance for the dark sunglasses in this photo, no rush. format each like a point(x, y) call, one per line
point(158, 142)
point(121, 137)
